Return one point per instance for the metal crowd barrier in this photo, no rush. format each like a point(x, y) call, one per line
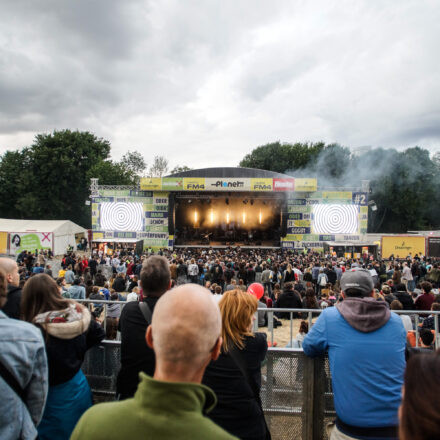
point(415, 316)
point(296, 390)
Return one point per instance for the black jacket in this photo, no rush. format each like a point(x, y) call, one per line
point(237, 410)
point(136, 356)
point(100, 280)
point(119, 284)
point(405, 299)
point(65, 356)
point(289, 299)
point(12, 306)
point(331, 276)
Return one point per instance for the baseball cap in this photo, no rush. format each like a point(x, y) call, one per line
point(357, 278)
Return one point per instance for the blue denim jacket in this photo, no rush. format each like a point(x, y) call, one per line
point(77, 292)
point(23, 353)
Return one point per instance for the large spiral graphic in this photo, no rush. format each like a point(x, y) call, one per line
point(335, 219)
point(122, 216)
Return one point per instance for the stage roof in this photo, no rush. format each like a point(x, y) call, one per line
point(232, 172)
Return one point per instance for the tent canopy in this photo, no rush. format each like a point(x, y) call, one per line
point(58, 227)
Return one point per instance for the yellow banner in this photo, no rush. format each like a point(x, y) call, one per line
point(261, 184)
point(402, 246)
point(194, 184)
point(306, 185)
point(151, 183)
point(3, 242)
point(98, 235)
point(293, 237)
point(337, 195)
point(301, 223)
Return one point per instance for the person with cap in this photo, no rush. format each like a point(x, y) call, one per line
point(366, 349)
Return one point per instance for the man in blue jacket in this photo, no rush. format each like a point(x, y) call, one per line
point(366, 349)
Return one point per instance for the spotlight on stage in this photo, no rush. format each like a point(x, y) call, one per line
point(189, 201)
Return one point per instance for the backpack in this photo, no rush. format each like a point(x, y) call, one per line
point(323, 281)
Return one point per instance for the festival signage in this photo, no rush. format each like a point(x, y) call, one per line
point(433, 249)
point(402, 245)
point(261, 184)
point(284, 184)
point(227, 184)
point(172, 183)
point(194, 184)
point(29, 241)
point(151, 183)
point(306, 185)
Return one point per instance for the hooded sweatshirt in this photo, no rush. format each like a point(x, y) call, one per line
point(366, 349)
point(69, 333)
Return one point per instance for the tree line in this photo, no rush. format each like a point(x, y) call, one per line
point(405, 184)
point(50, 180)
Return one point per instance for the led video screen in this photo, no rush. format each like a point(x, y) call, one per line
point(121, 216)
point(335, 219)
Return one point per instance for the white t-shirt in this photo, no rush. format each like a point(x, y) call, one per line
point(132, 296)
point(407, 323)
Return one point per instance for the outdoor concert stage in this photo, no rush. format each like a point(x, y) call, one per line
point(231, 219)
point(227, 207)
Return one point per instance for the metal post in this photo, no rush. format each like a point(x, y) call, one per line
point(307, 398)
point(416, 319)
point(270, 325)
point(310, 320)
point(255, 325)
point(436, 341)
point(291, 328)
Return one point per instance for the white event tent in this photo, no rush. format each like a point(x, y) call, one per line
point(57, 235)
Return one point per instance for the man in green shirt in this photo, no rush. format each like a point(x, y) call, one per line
point(185, 336)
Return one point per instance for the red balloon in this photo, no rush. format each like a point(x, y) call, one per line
point(256, 289)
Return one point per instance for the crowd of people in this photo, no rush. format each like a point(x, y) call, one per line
point(190, 360)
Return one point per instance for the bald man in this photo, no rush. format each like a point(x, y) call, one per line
point(12, 306)
point(185, 336)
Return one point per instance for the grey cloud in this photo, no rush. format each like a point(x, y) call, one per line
point(187, 79)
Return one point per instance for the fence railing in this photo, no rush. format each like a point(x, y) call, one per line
point(415, 316)
point(296, 390)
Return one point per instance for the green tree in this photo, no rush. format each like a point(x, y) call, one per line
point(134, 162)
point(12, 167)
point(112, 173)
point(180, 169)
point(283, 157)
point(51, 178)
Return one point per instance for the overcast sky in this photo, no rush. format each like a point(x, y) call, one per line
point(204, 82)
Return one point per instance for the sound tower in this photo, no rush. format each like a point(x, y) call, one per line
point(171, 214)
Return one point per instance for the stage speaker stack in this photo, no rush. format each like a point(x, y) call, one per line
point(171, 215)
point(284, 216)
